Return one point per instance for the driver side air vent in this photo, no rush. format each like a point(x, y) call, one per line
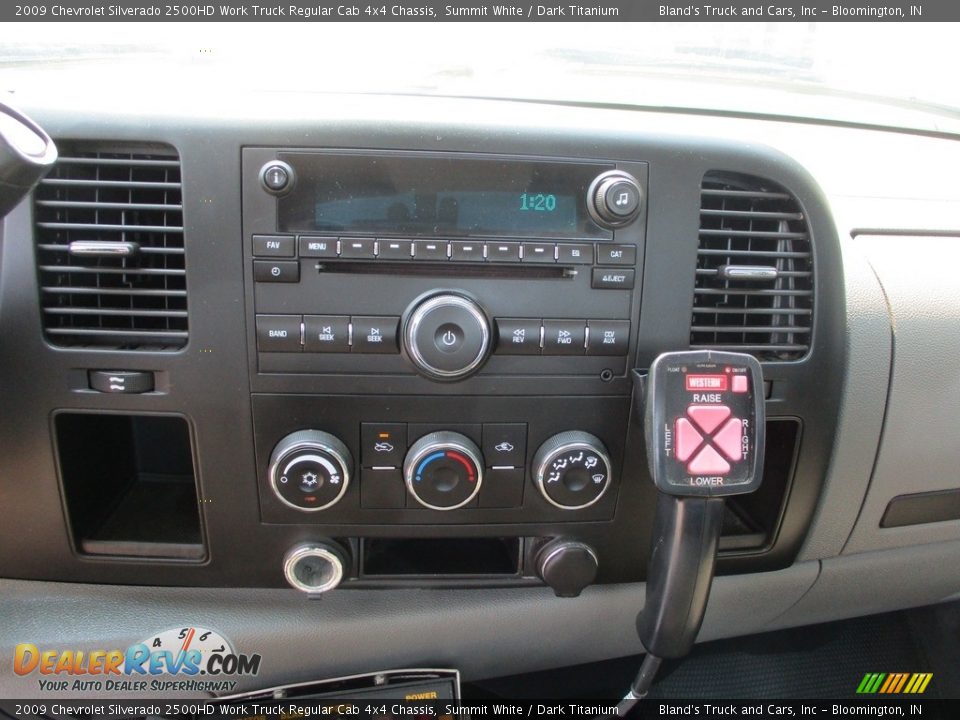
point(754, 285)
point(110, 247)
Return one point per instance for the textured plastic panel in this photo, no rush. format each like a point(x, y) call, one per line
point(919, 450)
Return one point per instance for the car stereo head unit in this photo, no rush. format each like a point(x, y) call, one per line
point(442, 265)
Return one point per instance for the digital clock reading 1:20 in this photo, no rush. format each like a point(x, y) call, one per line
point(538, 202)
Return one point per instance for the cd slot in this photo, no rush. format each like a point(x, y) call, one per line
point(451, 269)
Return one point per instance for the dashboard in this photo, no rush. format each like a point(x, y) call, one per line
point(395, 363)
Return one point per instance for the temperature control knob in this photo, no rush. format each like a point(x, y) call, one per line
point(572, 470)
point(443, 470)
point(614, 199)
point(310, 470)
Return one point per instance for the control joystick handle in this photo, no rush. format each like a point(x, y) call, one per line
point(703, 423)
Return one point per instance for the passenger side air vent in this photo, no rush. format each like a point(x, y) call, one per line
point(110, 250)
point(754, 284)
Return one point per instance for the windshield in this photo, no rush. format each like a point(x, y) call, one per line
point(886, 74)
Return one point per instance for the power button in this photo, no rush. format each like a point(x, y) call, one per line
point(446, 336)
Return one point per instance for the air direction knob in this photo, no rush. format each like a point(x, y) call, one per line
point(572, 470)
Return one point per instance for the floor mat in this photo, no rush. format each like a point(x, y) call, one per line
point(825, 661)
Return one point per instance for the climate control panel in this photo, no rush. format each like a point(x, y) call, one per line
point(330, 460)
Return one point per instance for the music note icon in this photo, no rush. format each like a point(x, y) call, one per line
point(623, 199)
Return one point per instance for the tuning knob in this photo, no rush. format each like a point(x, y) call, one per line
point(567, 566)
point(310, 470)
point(572, 470)
point(443, 470)
point(614, 199)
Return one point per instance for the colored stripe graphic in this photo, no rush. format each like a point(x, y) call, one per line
point(894, 683)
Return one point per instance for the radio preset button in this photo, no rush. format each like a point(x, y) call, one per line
point(518, 336)
point(616, 254)
point(274, 246)
point(608, 337)
point(394, 249)
point(429, 250)
point(278, 333)
point(610, 279)
point(326, 333)
point(539, 253)
point(503, 252)
point(358, 248)
point(462, 251)
point(563, 337)
point(375, 334)
point(575, 253)
point(281, 271)
point(318, 247)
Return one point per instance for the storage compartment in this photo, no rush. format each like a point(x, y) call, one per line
point(129, 485)
point(750, 521)
point(434, 557)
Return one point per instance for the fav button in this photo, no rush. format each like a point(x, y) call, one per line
point(273, 246)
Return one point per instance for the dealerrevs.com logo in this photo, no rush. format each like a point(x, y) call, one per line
point(173, 660)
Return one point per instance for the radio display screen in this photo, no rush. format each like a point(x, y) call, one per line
point(438, 195)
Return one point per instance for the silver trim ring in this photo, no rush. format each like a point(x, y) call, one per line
point(297, 554)
point(538, 475)
point(433, 447)
point(428, 306)
point(315, 446)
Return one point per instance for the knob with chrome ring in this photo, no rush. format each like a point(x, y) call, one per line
point(443, 470)
point(310, 470)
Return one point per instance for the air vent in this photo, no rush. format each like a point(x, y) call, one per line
point(110, 251)
point(754, 284)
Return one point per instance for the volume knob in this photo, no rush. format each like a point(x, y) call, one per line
point(446, 336)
